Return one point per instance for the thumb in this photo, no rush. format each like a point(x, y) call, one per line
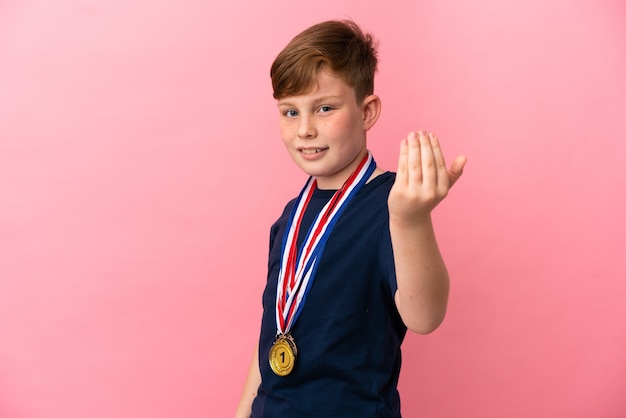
point(456, 169)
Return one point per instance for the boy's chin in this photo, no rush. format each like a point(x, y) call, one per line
point(311, 169)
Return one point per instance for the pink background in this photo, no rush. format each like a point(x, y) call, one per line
point(141, 168)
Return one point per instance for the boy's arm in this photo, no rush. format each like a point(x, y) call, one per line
point(244, 410)
point(422, 181)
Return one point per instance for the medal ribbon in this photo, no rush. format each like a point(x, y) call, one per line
point(297, 270)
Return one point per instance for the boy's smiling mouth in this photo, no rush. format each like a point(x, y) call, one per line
point(312, 150)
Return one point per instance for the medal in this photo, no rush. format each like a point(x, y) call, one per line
point(283, 355)
point(298, 267)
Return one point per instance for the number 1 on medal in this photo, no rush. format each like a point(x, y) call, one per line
point(282, 355)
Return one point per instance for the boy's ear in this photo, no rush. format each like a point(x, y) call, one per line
point(371, 111)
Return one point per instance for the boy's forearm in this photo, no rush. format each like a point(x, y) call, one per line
point(421, 274)
point(253, 380)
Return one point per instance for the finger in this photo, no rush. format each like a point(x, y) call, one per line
point(403, 163)
point(428, 166)
point(456, 169)
point(414, 159)
point(440, 165)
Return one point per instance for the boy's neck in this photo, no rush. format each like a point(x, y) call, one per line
point(323, 186)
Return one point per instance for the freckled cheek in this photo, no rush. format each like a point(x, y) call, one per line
point(286, 133)
point(339, 128)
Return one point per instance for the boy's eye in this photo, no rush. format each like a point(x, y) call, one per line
point(325, 109)
point(291, 113)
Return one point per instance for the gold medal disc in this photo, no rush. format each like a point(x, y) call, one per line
point(283, 355)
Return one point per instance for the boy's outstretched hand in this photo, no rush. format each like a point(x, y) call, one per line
point(422, 179)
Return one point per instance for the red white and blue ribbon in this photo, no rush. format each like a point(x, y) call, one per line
point(298, 268)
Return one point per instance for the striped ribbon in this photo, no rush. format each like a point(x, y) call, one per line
point(298, 268)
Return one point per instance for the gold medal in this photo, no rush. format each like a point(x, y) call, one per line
point(283, 355)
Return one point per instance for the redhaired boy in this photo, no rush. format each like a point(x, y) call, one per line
point(353, 260)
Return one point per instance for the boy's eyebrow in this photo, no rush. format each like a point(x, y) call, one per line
point(316, 100)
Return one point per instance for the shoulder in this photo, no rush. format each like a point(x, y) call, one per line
point(371, 201)
point(280, 223)
point(380, 183)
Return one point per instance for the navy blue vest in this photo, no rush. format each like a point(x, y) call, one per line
point(349, 332)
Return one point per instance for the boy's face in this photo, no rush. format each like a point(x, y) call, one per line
point(324, 130)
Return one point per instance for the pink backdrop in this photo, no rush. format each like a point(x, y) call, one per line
point(140, 169)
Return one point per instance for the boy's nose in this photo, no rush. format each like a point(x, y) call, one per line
point(306, 128)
